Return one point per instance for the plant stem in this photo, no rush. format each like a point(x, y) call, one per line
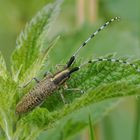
point(137, 121)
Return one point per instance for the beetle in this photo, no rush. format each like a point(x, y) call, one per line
point(51, 83)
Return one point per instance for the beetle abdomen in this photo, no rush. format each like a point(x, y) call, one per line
point(36, 96)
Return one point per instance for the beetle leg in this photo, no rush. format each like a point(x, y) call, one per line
point(63, 98)
point(72, 89)
point(30, 82)
point(58, 66)
point(47, 74)
point(75, 89)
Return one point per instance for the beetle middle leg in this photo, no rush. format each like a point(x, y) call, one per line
point(65, 88)
point(37, 81)
point(72, 89)
point(75, 89)
point(69, 89)
point(63, 98)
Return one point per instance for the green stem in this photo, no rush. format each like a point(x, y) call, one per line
point(137, 121)
point(92, 134)
point(107, 129)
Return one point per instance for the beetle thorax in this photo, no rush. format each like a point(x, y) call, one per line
point(60, 77)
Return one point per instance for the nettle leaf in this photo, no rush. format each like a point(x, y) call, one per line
point(78, 120)
point(3, 69)
point(31, 42)
point(28, 58)
point(7, 93)
point(100, 81)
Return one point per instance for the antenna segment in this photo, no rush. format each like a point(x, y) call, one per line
point(95, 33)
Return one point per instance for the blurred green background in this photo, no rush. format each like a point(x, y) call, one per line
point(77, 20)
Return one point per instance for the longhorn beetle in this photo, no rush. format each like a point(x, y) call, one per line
point(51, 83)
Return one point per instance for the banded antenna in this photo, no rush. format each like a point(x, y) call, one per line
point(112, 60)
point(70, 62)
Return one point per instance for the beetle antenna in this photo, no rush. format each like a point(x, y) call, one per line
point(70, 62)
point(112, 60)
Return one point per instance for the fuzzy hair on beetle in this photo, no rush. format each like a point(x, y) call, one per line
point(50, 83)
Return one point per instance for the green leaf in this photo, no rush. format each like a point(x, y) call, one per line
point(27, 60)
point(7, 100)
point(8, 90)
point(91, 128)
point(101, 81)
point(32, 42)
point(76, 121)
point(3, 69)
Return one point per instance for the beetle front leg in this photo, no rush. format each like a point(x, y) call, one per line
point(59, 66)
point(47, 74)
